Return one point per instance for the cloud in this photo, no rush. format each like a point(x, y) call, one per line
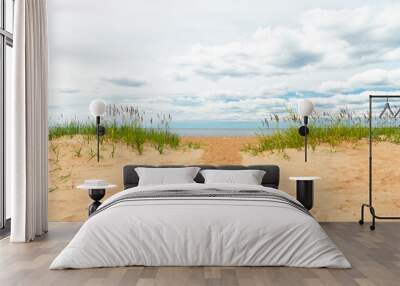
point(187, 101)
point(324, 39)
point(123, 81)
point(235, 107)
point(179, 76)
point(333, 86)
point(225, 65)
point(361, 35)
point(375, 77)
point(267, 52)
point(370, 78)
point(67, 90)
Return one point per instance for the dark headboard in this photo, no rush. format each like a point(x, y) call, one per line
point(271, 177)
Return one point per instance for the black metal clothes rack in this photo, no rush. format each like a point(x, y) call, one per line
point(370, 202)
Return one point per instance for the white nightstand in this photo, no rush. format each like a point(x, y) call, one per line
point(305, 190)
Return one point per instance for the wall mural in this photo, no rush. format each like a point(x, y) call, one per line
point(200, 82)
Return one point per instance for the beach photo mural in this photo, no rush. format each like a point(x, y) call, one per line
point(219, 82)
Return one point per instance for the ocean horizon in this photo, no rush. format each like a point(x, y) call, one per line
point(216, 128)
point(215, 132)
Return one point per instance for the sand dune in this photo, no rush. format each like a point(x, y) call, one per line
point(66, 203)
point(344, 172)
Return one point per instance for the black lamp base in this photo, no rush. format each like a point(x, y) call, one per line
point(101, 130)
point(96, 195)
point(303, 130)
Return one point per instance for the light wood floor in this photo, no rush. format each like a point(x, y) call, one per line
point(375, 257)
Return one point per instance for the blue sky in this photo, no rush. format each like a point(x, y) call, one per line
point(221, 60)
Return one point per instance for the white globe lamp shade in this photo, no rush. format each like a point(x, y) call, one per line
point(306, 107)
point(97, 107)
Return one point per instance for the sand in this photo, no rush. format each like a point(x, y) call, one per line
point(66, 202)
point(221, 150)
point(338, 195)
point(344, 178)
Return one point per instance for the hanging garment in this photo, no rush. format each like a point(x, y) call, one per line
point(397, 113)
point(387, 107)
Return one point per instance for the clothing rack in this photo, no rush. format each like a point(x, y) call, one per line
point(370, 202)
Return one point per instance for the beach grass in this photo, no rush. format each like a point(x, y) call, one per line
point(331, 129)
point(126, 125)
point(193, 145)
point(132, 135)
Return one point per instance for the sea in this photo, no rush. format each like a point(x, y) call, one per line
point(221, 128)
point(232, 132)
point(216, 128)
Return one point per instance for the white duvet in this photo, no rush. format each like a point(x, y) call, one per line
point(199, 231)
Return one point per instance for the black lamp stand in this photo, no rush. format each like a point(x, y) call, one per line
point(100, 131)
point(303, 131)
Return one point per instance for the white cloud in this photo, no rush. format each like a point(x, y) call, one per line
point(269, 51)
point(333, 86)
point(324, 39)
point(355, 36)
point(223, 59)
point(374, 77)
point(366, 79)
point(124, 81)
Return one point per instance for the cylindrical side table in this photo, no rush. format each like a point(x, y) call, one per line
point(305, 190)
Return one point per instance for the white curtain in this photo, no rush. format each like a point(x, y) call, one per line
point(27, 122)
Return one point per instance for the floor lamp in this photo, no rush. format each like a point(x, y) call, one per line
point(306, 107)
point(97, 108)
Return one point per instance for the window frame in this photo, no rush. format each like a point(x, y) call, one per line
point(6, 39)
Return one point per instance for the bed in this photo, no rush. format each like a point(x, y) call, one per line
point(198, 224)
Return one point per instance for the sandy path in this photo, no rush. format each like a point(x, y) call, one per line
point(222, 150)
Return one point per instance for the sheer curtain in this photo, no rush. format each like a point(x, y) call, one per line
point(27, 122)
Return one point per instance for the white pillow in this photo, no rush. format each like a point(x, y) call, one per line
point(248, 177)
point(166, 176)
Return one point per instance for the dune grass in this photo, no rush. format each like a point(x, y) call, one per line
point(132, 135)
point(124, 124)
point(331, 129)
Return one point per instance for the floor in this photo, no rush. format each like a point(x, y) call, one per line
point(375, 257)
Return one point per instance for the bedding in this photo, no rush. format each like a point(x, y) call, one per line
point(247, 177)
point(164, 176)
point(201, 225)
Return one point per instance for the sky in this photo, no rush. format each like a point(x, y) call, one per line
point(221, 60)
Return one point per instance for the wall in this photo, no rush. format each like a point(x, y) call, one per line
point(203, 82)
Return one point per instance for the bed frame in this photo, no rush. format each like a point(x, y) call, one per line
point(270, 179)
